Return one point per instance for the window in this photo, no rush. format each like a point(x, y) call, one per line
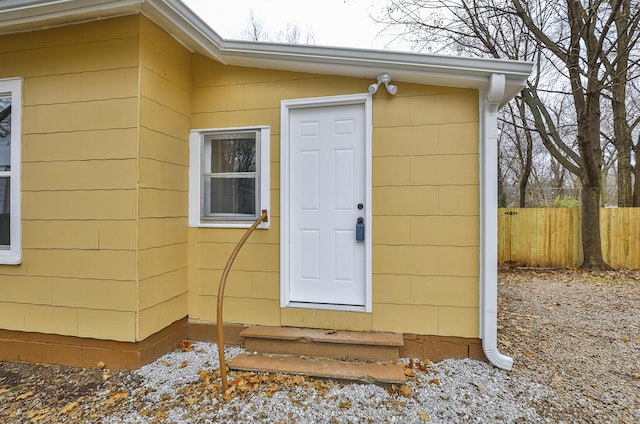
point(228, 176)
point(10, 133)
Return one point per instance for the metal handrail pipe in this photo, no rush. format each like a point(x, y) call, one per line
point(223, 281)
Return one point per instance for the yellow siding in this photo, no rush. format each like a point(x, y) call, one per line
point(460, 322)
point(107, 252)
point(99, 31)
point(79, 204)
point(63, 175)
point(296, 317)
point(161, 315)
point(79, 187)
point(80, 145)
point(425, 206)
point(51, 319)
point(394, 289)
point(12, 315)
point(426, 212)
point(106, 324)
point(417, 319)
point(165, 121)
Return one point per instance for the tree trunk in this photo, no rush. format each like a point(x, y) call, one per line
point(586, 98)
point(591, 242)
point(636, 183)
point(528, 156)
point(624, 180)
point(621, 130)
point(636, 189)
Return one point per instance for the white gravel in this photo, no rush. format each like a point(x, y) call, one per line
point(451, 391)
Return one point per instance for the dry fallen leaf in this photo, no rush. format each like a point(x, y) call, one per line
point(161, 415)
point(186, 346)
point(434, 381)
point(422, 366)
point(624, 340)
point(404, 390)
point(24, 395)
point(38, 418)
point(345, 405)
point(423, 416)
point(408, 371)
point(101, 364)
point(120, 394)
point(272, 389)
point(205, 376)
point(33, 414)
point(528, 353)
point(68, 408)
point(3, 391)
point(184, 364)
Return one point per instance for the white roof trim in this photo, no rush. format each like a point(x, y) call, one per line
point(177, 19)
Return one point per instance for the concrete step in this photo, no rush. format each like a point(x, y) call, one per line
point(366, 346)
point(367, 372)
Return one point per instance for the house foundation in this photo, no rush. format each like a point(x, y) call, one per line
point(91, 353)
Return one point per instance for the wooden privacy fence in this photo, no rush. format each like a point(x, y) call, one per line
point(552, 237)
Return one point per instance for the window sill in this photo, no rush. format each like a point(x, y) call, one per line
point(242, 224)
point(10, 260)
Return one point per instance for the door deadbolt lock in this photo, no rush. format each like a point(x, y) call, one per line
point(360, 229)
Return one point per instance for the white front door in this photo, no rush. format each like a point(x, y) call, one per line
point(327, 195)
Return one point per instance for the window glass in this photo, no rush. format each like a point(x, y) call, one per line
point(5, 134)
point(5, 167)
point(233, 196)
point(233, 152)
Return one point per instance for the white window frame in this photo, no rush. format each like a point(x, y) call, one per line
point(197, 139)
point(12, 254)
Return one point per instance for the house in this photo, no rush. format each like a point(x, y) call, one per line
point(138, 145)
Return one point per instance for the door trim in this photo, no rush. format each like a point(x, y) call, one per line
point(286, 106)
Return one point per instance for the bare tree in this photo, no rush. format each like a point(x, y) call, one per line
point(516, 135)
point(255, 31)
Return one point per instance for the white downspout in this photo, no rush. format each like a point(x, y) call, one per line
point(489, 106)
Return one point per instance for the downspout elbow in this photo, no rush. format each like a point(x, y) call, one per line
point(494, 356)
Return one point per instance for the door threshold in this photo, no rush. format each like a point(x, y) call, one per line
point(326, 306)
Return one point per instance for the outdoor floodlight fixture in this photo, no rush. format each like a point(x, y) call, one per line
point(386, 80)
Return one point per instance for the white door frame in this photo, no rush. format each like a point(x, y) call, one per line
point(285, 161)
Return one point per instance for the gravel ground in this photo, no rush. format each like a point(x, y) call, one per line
point(578, 334)
point(575, 338)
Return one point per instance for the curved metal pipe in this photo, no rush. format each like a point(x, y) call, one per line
point(223, 281)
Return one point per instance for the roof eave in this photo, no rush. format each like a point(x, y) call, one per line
point(406, 67)
point(184, 25)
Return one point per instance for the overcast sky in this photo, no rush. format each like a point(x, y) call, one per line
point(343, 23)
